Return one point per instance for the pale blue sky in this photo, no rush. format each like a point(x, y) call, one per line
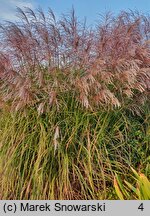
point(88, 8)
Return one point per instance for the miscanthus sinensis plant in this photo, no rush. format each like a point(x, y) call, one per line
point(58, 149)
point(42, 58)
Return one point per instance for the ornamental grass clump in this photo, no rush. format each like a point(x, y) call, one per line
point(74, 106)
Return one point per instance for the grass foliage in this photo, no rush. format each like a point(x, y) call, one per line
point(70, 154)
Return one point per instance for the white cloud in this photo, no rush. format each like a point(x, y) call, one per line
point(8, 8)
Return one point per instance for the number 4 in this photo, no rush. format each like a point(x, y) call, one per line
point(141, 207)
